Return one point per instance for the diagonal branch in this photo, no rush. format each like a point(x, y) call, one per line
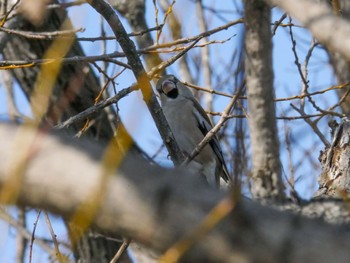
point(107, 11)
point(224, 117)
point(96, 108)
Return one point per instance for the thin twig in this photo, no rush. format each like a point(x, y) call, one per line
point(25, 233)
point(305, 70)
point(342, 99)
point(132, 34)
point(171, 60)
point(6, 16)
point(341, 86)
point(97, 108)
point(108, 57)
point(290, 118)
point(42, 35)
point(9, 64)
point(12, 64)
point(21, 241)
point(303, 75)
point(278, 23)
point(215, 129)
point(33, 237)
point(65, 5)
point(199, 36)
point(313, 126)
point(59, 255)
point(121, 250)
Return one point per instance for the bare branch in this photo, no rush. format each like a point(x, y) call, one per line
point(155, 195)
point(25, 233)
point(329, 29)
point(224, 117)
point(142, 79)
point(96, 108)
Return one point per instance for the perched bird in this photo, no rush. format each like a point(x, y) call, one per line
point(189, 123)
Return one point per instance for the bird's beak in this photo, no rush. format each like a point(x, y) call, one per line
point(168, 86)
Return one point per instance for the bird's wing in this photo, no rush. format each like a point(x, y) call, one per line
point(204, 124)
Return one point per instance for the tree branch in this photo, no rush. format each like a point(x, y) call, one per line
point(329, 29)
point(107, 11)
point(251, 233)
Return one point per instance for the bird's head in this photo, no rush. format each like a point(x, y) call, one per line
point(170, 87)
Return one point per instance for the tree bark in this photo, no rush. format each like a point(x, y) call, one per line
point(340, 64)
point(335, 178)
point(266, 174)
point(249, 233)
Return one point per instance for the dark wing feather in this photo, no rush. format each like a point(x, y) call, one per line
point(204, 124)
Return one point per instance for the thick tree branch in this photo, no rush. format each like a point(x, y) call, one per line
point(135, 12)
point(162, 208)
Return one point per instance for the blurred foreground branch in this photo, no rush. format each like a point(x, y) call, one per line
point(251, 233)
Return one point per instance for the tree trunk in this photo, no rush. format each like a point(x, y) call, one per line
point(340, 64)
point(335, 178)
point(266, 175)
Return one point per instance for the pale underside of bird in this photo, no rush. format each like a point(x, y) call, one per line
point(189, 123)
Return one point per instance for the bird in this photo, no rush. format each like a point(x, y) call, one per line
point(189, 124)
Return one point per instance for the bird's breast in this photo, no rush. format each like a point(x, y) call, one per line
point(184, 126)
